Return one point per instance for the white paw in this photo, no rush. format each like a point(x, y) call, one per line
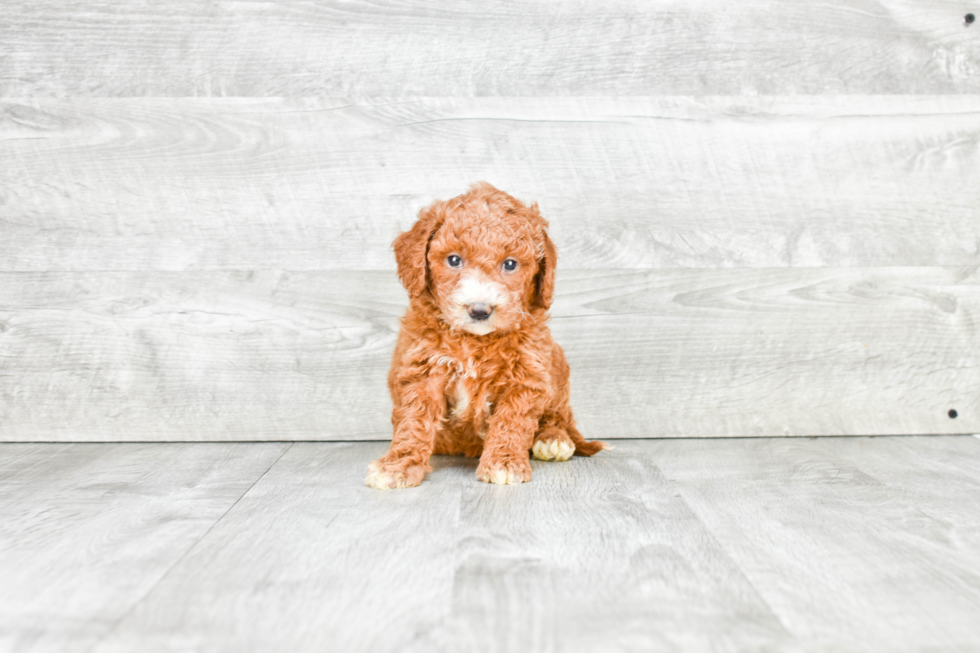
point(383, 480)
point(505, 474)
point(504, 477)
point(557, 450)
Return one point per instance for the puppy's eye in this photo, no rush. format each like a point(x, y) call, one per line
point(510, 265)
point(454, 261)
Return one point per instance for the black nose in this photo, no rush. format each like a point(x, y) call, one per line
point(479, 311)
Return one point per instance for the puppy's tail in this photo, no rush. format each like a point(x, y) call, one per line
point(584, 447)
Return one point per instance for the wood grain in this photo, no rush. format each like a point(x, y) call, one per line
point(197, 356)
point(303, 355)
point(87, 530)
point(627, 183)
point(823, 544)
point(597, 554)
point(592, 554)
point(310, 560)
point(776, 352)
point(851, 542)
point(186, 48)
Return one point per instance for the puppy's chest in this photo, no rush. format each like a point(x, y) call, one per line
point(470, 391)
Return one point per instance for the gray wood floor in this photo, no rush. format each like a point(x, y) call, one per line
point(825, 544)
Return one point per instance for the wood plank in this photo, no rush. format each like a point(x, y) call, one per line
point(851, 551)
point(597, 554)
point(622, 47)
point(629, 183)
point(87, 530)
point(940, 462)
point(310, 560)
point(687, 353)
point(592, 554)
point(303, 355)
point(197, 356)
point(843, 544)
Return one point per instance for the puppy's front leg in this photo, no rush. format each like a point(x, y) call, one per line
point(505, 457)
point(420, 404)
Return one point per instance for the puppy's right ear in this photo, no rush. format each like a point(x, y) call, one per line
point(544, 281)
point(412, 247)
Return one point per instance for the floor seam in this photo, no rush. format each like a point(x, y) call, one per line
point(186, 553)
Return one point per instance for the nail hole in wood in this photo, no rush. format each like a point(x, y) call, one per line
point(969, 18)
point(952, 413)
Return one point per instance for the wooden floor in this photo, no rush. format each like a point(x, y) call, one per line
point(800, 544)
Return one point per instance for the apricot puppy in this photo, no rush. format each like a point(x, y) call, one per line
point(475, 370)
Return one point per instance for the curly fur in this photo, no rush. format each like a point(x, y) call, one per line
point(496, 388)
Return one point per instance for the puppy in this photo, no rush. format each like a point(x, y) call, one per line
point(475, 370)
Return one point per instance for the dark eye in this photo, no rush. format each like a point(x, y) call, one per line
point(454, 261)
point(510, 265)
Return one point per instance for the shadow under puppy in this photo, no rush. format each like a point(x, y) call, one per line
point(475, 370)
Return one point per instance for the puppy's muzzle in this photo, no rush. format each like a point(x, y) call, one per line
point(479, 312)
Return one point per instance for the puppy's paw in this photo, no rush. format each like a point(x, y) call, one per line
point(508, 472)
point(387, 476)
point(559, 449)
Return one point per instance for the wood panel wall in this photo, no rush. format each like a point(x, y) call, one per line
point(768, 213)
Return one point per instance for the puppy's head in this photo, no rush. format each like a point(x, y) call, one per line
point(485, 258)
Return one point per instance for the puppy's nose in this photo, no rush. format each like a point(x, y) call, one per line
point(479, 311)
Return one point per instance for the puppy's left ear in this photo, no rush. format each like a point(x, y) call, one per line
point(544, 281)
point(412, 248)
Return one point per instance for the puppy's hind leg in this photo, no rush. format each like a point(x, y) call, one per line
point(558, 439)
point(552, 443)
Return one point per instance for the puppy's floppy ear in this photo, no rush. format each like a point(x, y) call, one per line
point(411, 249)
point(544, 281)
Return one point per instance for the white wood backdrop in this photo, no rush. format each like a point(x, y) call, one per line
point(768, 213)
